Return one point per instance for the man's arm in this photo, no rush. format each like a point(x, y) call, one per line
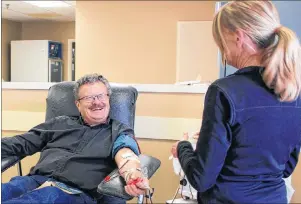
point(126, 159)
point(125, 153)
point(28, 143)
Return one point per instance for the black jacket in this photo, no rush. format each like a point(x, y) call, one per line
point(248, 142)
point(71, 152)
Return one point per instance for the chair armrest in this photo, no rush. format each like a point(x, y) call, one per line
point(9, 161)
point(113, 184)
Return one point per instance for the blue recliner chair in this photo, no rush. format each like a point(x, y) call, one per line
point(60, 101)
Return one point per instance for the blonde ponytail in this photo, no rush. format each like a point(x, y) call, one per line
point(282, 61)
point(281, 48)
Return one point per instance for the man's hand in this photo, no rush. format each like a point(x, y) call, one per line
point(130, 169)
point(136, 184)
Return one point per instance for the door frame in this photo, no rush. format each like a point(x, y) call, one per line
point(70, 41)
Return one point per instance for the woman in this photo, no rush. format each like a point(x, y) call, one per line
point(250, 134)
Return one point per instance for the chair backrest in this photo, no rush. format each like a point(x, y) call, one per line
point(60, 101)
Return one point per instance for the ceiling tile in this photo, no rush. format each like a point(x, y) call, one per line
point(9, 14)
point(25, 8)
point(28, 11)
point(65, 11)
point(73, 3)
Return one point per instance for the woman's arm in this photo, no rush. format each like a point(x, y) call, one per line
point(203, 165)
point(292, 162)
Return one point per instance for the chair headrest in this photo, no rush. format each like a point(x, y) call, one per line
point(60, 101)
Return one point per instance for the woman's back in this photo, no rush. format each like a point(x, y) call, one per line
point(264, 133)
point(251, 128)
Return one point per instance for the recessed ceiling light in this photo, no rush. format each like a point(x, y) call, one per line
point(48, 4)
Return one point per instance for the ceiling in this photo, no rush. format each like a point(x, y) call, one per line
point(23, 12)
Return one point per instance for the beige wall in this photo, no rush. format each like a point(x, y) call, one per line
point(10, 31)
point(196, 52)
point(57, 31)
point(51, 31)
point(133, 41)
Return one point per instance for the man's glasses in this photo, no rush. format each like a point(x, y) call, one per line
point(90, 99)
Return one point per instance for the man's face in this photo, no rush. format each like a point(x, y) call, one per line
point(93, 103)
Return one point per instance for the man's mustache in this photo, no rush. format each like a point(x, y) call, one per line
point(96, 106)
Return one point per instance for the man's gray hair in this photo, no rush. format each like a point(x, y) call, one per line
point(91, 79)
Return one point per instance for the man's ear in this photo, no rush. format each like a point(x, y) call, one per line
point(77, 104)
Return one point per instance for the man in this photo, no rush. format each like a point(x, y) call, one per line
point(77, 153)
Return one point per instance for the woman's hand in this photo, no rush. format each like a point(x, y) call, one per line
point(196, 135)
point(174, 147)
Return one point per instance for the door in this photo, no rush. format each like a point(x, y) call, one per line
point(55, 70)
point(73, 62)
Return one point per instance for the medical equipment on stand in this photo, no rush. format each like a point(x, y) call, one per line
point(185, 190)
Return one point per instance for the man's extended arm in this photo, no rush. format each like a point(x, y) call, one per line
point(125, 153)
point(28, 143)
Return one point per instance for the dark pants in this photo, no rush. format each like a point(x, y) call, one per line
point(21, 190)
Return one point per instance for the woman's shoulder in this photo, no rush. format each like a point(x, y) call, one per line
point(225, 83)
point(239, 83)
